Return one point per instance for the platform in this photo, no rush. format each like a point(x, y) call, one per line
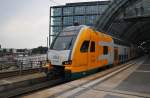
point(133, 82)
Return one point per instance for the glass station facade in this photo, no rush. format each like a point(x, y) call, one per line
point(140, 8)
point(84, 13)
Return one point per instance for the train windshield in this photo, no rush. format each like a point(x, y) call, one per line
point(65, 39)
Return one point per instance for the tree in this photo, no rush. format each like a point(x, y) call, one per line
point(11, 50)
point(39, 50)
point(4, 50)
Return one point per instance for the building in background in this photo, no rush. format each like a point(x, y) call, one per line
point(84, 13)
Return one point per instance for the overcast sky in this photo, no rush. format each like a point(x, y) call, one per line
point(25, 23)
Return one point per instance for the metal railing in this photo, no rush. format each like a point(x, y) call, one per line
point(6, 65)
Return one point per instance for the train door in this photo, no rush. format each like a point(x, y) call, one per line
point(116, 56)
point(92, 52)
point(83, 57)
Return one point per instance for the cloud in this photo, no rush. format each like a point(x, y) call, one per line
point(25, 23)
point(21, 32)
point(27, 28)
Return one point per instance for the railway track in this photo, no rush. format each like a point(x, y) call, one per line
point(20, 72)
point(34, 85)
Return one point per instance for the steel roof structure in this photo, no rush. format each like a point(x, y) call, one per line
point(128, 20)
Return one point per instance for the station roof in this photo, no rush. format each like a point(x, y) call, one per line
point(133, 28)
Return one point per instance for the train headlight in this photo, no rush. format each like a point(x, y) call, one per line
point(67, 62)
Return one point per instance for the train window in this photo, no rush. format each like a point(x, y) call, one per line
point(85, 46)
point(105, 50)
point(92, 48)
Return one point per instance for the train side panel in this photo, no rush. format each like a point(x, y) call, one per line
point(107, 49)
point(92, 50)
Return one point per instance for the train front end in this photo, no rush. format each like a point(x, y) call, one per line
point(59, 54)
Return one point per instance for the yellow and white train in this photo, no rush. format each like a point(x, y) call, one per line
point(80, 50)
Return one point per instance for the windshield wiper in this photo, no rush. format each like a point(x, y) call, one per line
point(70, 43)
